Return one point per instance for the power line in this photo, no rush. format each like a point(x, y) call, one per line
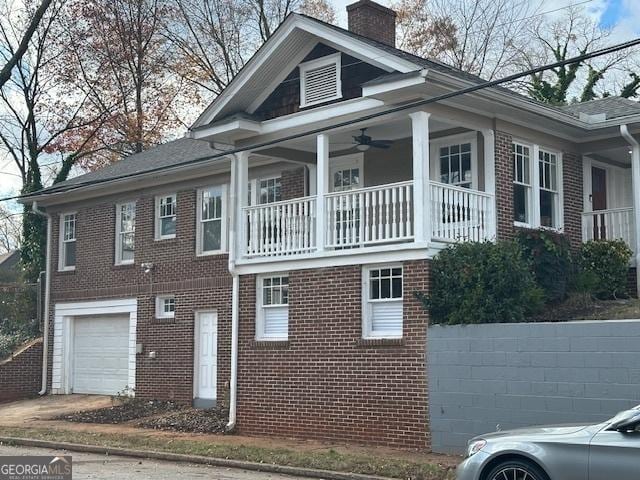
point(420, 103)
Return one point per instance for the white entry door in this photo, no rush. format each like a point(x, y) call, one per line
point(206, 355)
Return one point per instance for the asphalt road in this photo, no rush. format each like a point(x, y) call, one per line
point(103, 467)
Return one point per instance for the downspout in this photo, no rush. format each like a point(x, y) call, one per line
point(635, 188)
point(235, 297)
point(47, 293)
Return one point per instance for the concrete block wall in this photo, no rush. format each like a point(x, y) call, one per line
point(517, 375)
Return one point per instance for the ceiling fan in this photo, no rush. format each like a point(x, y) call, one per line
point(364, 142)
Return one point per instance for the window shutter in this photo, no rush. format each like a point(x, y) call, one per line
point(386, 318)
point(276, 321)
point(321, 84)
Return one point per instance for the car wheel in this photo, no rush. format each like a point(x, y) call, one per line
point(516, 470)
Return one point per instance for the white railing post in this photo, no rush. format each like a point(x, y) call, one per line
point(421, 191)
point(242, 179)
point(322, 183)
point(488, 136)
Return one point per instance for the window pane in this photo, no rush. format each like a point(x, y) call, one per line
point(520, 203)
point(168, 226)
point(285, 294)
point(547, 207)
point(444, 169)
point(396, 288)
point(266, 296)
point(128, 246)
point(385, 288)
point(374, 290)
point(466, 166)
point(69, 254)
point(211, 235)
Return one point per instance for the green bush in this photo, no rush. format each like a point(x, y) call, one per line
point(550, 256)
point(606, 264)
point(481, 283)
point(18, 318)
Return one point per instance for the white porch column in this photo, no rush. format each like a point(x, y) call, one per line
point(488, 136)
point(242, 195)
point(635, 188)
point(322, 184)
point(421, 187)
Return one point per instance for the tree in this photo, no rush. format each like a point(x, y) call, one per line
point(574, 34)
point(482, 37)
point(213, 39)
point(36, 113)
point(10, 229)
point(15, 53)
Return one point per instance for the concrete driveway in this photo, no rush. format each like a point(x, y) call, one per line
point(92, 466)
point(25, 413)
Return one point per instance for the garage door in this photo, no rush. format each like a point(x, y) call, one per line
point(100, 354)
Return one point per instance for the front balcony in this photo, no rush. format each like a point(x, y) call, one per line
point(367, 217)
point(413, 193)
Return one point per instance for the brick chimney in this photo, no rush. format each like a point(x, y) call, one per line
point(370, 19)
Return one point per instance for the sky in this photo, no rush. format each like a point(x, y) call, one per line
point(623, 16)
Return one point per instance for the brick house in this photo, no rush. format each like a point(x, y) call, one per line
point(268, 260)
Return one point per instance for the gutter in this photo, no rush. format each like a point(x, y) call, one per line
point(235, 297)
point(47, 295)
point(635, 187)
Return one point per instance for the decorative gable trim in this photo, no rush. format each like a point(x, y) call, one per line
point(320, 80)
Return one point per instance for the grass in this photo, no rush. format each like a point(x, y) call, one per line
point(324, 460)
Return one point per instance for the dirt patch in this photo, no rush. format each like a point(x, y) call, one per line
point(125, 412)
point(189, 420)
point(580, 307)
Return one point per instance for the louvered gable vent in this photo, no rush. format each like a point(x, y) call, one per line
point(320, 80)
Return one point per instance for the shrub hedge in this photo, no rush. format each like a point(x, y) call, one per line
point(606, 265)
point(481, 283)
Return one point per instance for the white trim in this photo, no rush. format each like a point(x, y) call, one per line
point(223, 220)
point(334, 38)
point(457, 139)
point(328, 60)
point(366, 302)
point(260, 325)
point(61, 242)
point(392, 86)
point(64, 313)
point(160, 313)
point(157, 224)
point(118, 250)
point(196, 352)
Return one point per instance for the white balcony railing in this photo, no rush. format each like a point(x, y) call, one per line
point(369, 216)
point(281, 228)
point(611, 224)
point(460, 214)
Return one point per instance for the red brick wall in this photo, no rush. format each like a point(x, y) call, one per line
point(573, 197)
point(504, 185)
point(21, 375)
point(292, 183)
point(325, 382)
point(372, 20)
point(198, 283)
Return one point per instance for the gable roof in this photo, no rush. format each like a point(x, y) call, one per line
point(612, 107)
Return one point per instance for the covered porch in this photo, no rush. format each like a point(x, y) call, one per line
point(415, 181)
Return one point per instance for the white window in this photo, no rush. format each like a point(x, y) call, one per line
point(67, 256)
point(455, 164)
point(272, 309)
point(320, 80)
point(270, 190)
point(211, 225)
point(549, 206)
point(165, 306)
point(521, 155)
point(382, 301)
point(537, 186)
point(125, 232)
point(166, 217)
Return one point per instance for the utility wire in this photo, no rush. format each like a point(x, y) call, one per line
point(315, 131)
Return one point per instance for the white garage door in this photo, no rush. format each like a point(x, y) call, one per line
point(100, 354)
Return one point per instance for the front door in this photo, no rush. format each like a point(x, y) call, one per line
point(206, 359)
point(599, 201)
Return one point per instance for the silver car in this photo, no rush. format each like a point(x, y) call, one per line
point(605, 451)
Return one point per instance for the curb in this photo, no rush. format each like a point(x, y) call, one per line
point(197, 459)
